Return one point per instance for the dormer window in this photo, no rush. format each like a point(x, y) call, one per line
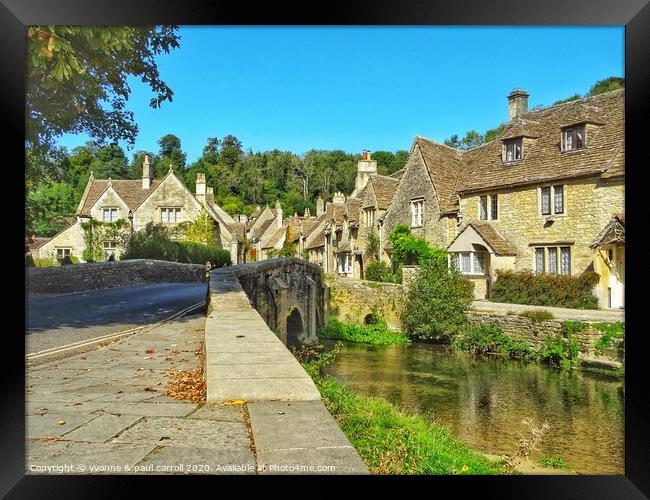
point(573, 138)
point(512, 150)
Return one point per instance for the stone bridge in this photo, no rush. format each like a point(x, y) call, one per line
point(255, 311)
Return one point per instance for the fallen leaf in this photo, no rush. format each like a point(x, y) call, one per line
point(169, 359)
point(50, 439)
point(116, 414)
point(41, 411)
point(73, 404)
point(235, 402)
point(61, 422)
point(149, 351)
point(280, 413)
point(150, 389)
point(148, 357)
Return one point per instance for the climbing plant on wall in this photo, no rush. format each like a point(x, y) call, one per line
point(96, 232)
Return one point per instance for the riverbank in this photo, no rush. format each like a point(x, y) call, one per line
point(391, 441)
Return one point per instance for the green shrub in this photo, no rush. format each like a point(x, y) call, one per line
point(437, 300)
point(376, 333)
point(153, 242)
point(489, 338)
point(554, 463)
point(537, 316)
point(562, 350)
point(378, 271)
point(546, 289)
point(409, 249)
point(45, 262)
point(610, 331)
point(67, 260)
point(29, 260)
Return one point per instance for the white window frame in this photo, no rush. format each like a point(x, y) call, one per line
point(344, 263)
point(65, 252)
point(456, 262)
point(167, 212)
point(112, 213)
point(110, 248)
point(512, 144)
point(417, 212)
point(552, 190)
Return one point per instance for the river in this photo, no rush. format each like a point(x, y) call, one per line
point(483, 400)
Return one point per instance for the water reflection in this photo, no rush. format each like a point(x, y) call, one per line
point(483, 401)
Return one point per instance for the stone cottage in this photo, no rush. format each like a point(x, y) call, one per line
point(137, 202)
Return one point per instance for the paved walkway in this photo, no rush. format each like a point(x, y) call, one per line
point(597, 315)
point(106, 412)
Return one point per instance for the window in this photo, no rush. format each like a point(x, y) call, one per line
point(61, 253)
point(552, 197)
point(170, 215)
point(512, 150)
point(370, 217)
point(546, 201)
point(573, 138)
point(493, 212)
point(345, 263)
point(417, 213)
point(469, 262)
point(110, 247)
point(563, 266)
point(539, 260)
point(109, 214)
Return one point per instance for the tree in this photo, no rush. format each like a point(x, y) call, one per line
point(77, 79)
point(231, 151)
point(110, 161)
point(606, 85)
point(170, 155)
point(202, 229)
point(51, 208)
point(437, 300)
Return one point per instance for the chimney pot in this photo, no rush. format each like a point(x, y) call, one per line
point(517, 103)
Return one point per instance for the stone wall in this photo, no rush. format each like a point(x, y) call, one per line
point(351, 300)
point(535, 333)
point(81, 277)
point(588, 207)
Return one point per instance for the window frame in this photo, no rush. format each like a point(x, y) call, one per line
point(456, 262)
point(111, 211)
point(559, 251)
point(417, 217)
point(177, 211)
point(552, 189)
point(63, 252)
point(512, 143)
point(574, 137)
point(490, 206)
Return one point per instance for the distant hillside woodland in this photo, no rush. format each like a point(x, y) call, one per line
point(241, 179)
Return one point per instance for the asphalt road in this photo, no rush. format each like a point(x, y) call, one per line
point(53, 321)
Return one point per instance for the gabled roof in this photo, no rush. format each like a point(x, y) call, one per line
point(544, 160)
point(489, 233)
point(319, 241)
point(352, 207)
point(37, 243)
point(443, 164)
point(384, 188)
point(130, 191)
point(397, 174)
point(612, 233)
point(275, 237)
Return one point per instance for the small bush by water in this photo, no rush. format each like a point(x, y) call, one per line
point(376, 333)
point(489, 338)
point(554, 463)
point(391, 441)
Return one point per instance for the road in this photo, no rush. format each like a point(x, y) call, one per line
point(53, 321)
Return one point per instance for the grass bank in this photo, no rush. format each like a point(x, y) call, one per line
point(391, 441)
point(376, 333)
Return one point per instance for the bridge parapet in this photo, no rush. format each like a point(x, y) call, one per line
point(244, 358)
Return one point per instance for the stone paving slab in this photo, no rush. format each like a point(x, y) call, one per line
point(190, 460)
point(264, 389)
point(344, 460)
point(102, 428)
point(38, 426)
point(212, 411)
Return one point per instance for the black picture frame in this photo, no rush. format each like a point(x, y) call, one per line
point(15, 15)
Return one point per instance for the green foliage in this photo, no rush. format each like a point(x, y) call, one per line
point(77, 79)
point(436, 302)
point(51, 208)
point(474, 139)
point(489, 338)
point(379, 271)
point(610, 331)
point(154, 242)
point(388, 163)
point(409, 249)
point(537, 316)
point(29, 260)
point(391, 441)
point(574, 97)
point(546, 289)
point(372, 245)
point(96, 232)
point(68, 260)
point(45, 262)
point(562, 350)
point(554, 463)
point(606, 85)
point(200, 230)
point(376, 333)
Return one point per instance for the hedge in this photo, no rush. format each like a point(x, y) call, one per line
point(546, 289)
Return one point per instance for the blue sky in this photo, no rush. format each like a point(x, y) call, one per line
point(355, 88)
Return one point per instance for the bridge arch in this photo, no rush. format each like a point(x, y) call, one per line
point(264, 302)
point(295, 328)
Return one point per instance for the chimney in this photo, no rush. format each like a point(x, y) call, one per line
point(365, 168)
point(338, 198)
point(320, 206)
point(278, 213)
point(200, 187)
point(147, 173)
point(307, 213)
point(517, 104)
point(210, 194)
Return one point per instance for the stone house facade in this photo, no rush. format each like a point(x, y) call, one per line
point(138, 202)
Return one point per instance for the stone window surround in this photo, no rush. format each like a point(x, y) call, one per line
point(489, 197)
point(564, 213)
point(504, 150)
point(110, 211)
point(414, 203)
point(454, 260)
point(64, 251)
point(547, 259)
point(178, 213)
point(346, 259)
point(563, 141)
point(369, 216)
